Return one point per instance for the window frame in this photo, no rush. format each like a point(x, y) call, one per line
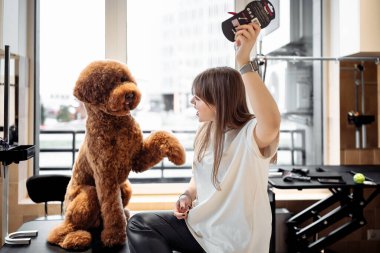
point(116, 37)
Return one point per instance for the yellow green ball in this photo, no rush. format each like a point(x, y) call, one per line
point(359, 178)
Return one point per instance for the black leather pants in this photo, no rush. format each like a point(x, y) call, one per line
point(160, 232)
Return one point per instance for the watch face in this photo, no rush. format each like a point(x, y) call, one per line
point(254, 65)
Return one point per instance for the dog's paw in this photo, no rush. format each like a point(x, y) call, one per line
point(167, 145)
point(176, 154)
point(77, 240)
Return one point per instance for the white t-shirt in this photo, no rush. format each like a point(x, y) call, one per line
point(236, 219)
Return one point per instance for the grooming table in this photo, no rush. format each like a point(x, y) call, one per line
point(346, 194)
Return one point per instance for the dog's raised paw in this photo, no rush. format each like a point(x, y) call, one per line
point(177, 155)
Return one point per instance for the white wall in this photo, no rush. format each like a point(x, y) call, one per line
point(116, 30)
point(331, 101)
point(9, 23)
point(359, 26)
point(370, 26)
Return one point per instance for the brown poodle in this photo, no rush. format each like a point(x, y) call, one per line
point(113, 146)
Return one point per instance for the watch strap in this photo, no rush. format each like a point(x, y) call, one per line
point(251, 66)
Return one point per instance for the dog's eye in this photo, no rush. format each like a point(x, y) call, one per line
point(123, 79)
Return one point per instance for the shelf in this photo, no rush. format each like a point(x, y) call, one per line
point(16, 154)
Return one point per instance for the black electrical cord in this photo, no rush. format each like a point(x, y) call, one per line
point(265, 70)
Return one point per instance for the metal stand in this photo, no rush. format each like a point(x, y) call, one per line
point(21, 237)
point(4, 217)
point(4, 205)
point(360, 67)
point(17, 237)
point(306, 239)
point(8, 155)
point(357, 128)
point(359, 119)
point(263, 58)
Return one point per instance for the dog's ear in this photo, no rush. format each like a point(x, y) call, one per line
point(91, 86)
point(84, 92)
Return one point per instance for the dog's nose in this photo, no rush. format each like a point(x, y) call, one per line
point(129, 97)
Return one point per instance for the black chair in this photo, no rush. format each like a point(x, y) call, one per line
point(46, 188)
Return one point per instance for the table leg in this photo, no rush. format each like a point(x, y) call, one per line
point(352, 204)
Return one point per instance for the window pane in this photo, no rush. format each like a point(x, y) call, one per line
point(55, 160)
point(297, 85)
point(178, 40)
point(57, 141)
point(71, 35)
point(168, 45)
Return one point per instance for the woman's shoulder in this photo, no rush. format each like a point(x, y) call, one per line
point(249, 124)
point(245, 130)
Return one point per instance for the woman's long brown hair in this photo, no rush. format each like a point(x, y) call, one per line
point(223, 88)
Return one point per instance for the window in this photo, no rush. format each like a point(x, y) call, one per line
point(72, 34)
point(168, 44)
point(297, 84)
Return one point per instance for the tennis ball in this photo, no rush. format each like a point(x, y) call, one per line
point(359, 178)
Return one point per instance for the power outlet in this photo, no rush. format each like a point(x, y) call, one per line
point(373, 234)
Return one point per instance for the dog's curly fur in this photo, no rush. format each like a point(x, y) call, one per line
point(113, 146)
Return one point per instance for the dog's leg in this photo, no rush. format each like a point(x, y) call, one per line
point(58, 234)
point(126, 193)
point(81, 214)
point(156, 146)
point(114, 221)
point(83, 211)
point(67, 237)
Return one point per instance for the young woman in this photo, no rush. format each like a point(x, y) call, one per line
point(225, 208)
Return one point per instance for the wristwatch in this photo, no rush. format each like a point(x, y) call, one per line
point(251, 66)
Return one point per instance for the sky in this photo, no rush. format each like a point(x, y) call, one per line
point(71, 36)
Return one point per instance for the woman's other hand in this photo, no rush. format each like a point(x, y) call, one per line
point(182, 207)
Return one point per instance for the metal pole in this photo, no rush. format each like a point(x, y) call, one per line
point(375, 59)
point(357, 129)
point(364, 132)
point(4, 202)
point(4, 218)
point(6, 94)
point(357, 137)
